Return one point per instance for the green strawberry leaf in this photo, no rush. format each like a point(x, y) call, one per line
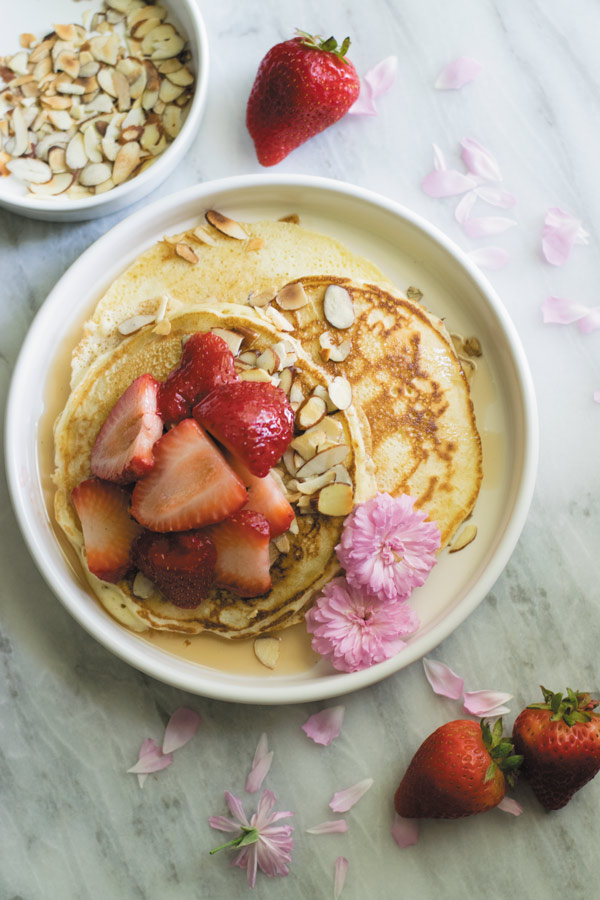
point(491, 771)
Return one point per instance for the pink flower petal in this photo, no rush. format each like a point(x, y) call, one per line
point(439, 160)
point(335, 826)
point(479, 160)
point(486, 225)
point(496, 196)
point(405, 831)
point(464, 207)
point(490, 257)
point(486, 703)
point(443, 680)
point(596, 396)
point(561, 230)
point(560, 311)
point(260, 766)
point(181, 728)
point(590, 322)
point(508, 805)
point(326, 725)
point(376, 82)
point(344, 800)
point(151, 759)
point(457, 73)
point(341, 870)
point(447, 183)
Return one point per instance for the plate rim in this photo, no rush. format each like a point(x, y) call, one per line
point(303, 689)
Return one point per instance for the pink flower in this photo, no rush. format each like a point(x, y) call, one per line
point(387, 547)
point(264, 844)
point(354, 630)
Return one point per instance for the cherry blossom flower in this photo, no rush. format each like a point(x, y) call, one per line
point(355, 631)
point(325, 726)
point(264, 844)
point(388, 547)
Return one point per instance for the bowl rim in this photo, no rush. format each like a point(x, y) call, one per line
point(142, 183)
point(116, 637)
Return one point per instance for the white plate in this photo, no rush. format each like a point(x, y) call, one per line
point(37, 17)
point(409, 251)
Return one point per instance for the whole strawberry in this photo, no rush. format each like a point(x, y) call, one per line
point(302, 86)
point(560, 743)
point(459, 770)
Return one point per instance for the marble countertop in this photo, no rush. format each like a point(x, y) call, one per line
point(75, 826)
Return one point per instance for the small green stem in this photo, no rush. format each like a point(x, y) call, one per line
point(249, 835)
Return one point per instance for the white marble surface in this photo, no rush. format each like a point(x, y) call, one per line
point(74, 826)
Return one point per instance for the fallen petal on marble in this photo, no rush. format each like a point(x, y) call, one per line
point(483, 226)
point(341, 870)
point(496, 196)
point(344, 800)
point(376, 82)
point(334, 826)
point(260, 765)
point(590, 322)
point(464, 207)
point(405, 831)
point(439, 160)
point(325, 726)
point(561, 230)
point(508, 805)
point(447, 183)
point(490, 257)
point(479, 160)
point(486, 703)
point(150, 759)
point(365, 104)
point(181, 728)
point(457, 73)
point(596, 396)
point(443, 680)
point(560, 311)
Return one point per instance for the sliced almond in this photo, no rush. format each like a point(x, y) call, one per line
point(335, 499)
point(338, 307)
point(296, 395)
point(293, 529)
point(285, 380)
point(340, 392)
point(76, 155)
point(226, 225)
point(122, 88)
point(32, 170)
point(266, 650)
point(200, 234)
point(163, 327)
point(169, 92)
point(27, 39)
point(233, 339)
point(292, 219)
point(278, 319)
point(93, 146)
point(21, 143)
point(61, 119)
point(57, 160)
point(273, 554)
point(18, 63)
point(310, 486)
point(268, 360)
point(57, 185)
point(465, 536)
point(182, 77)
point(292, 296)
point(305, 445)
point(312, 411)
point(94, 174)
point(342, 475)
point(472, 346)
point(130, 326)
point(162, 42)
point(127, 159)
point(322, 461)
point(261, 299)
point(105, 186)
point(321, 391)
point(282, 542)
point(144, 27)
point(172, 120)
point(255, 375)
point(106, 81)
point(182, 250)
point(45, 144)
point(68, 62)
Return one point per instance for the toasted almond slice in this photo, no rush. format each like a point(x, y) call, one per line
point(273, 554)
point(226, 225)
point(19, 125)
point(336, 499)
point(162, 327)
point(472, 346)
point(57, 160)
point(278, 319)
point(340, 352)
point(292, 296)
point(169, 92)
point(282, 542)
point(105, 186)
point(268, 360)
point(66, 32)
point(61, 119)
point(342, 475)
point(233, 339)
point(304, 503)
point(54, 139)
point(41, 51)
point(131, 133)
point(32, 170)
point(150, 136)
point(182, 250)
point(331, 427)
point(200, 234)
point(293, 529)
point(172, 119)
point(249, 358)
point(144, 27)
point(340, 392)
point(162, 42)
point(465, 536)
point(27, 39)
point(305, 445)
point(142, 587)
point(310, 486)
point(64, 84)
point(338, 307)
point(127, 159)
point(130, 326)
point(296, 395)
point(323, 460)
point(255, 375)
point(143, 13)
point(106, 80)
point(18, 63)
point(122, 88)
point(312, 411)
point(266, 650)
point(259, 299)
point(288, 461)
point(292, 219)
point(76, 155)
point(182, 77)
point(89, 69)
point(285, 380)
point(68, 62)
point(57, 185)
point(94, 174)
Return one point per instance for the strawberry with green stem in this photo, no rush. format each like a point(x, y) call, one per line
point(560, 743)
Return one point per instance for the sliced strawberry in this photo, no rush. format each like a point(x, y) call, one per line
point(108, 529)
point(265, 497)
point(181, 565)
point(253, 419)
point(123, 449)
point(206, 361)
point(242, 543)
point(190, 485)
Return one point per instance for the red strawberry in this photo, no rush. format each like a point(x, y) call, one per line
point(253, 419)
point(265, 497)
point(459, 770)
point(108, 529)
point(242, 543)
point(181, 565)
point(190, 485)
point(206, 361)
point(122, 451)
point(302, 86)
point(560, 743)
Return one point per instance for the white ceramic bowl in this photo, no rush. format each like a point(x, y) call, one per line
point(35, 16)
point(410, 251)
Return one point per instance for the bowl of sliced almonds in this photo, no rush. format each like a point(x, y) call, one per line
point(97, 105)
